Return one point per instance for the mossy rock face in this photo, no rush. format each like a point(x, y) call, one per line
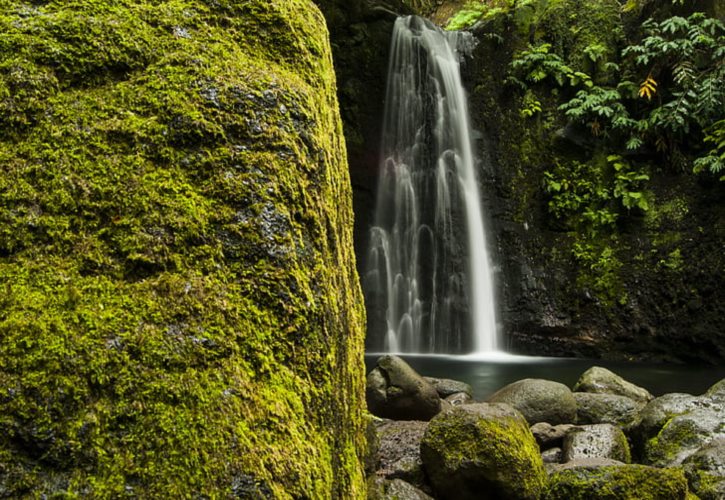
point(482, 451)
point(683, 435)
point(179, 312)
point(619, 482)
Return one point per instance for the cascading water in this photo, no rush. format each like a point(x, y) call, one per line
point(428, 266)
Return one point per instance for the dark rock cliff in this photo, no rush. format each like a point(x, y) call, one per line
point(650, 285)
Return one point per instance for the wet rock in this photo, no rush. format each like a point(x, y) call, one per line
point(717, 392)
point(596, 441)
point(548, 436)
point(602, 381)
point(683, 435)
point(395, 489)
point(459, 398)
point(539, 401)
point(658, 411)
point(396, 391)
point(447, 387)
point(399, 450)
point(552, 456)
point(482, 451)
point(594, 408)
point(626, 482)
point(705, 470)
point(590, 463)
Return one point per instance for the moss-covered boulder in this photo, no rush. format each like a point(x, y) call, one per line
point(705, 470)
point(599, 380)
point(179, 313)
point(618, 482)
point(683, 435)
point(482, 451)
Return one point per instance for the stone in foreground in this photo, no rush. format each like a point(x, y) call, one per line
point(482, 451)
point(617, 482)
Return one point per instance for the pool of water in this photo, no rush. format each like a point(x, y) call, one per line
point(487, 375)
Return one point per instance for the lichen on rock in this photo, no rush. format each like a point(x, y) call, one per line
point(180, 312)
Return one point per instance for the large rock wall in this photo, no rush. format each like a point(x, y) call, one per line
point(180, 314)
point(649, 287)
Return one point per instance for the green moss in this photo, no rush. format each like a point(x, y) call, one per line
point(706, 486)
point(498, 451)
point(631, 482)
point(670, 441)
point(180, 313)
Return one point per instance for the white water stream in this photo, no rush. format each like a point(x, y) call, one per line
point(428, 262)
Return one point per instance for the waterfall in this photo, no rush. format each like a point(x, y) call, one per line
point(428, 265)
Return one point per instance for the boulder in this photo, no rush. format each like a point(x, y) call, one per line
point(705, 470)
point(459, 398)
point(539, 400)
point(658, 411)
point(482, 451)
point(394, 489)
point(596, 441)
point(548, 436)
point(552, 456)
point(683, 435)
point(595, 408)
point(617, 482)
point(552, 468)
point(447, 387)
point(396, 391)
point(602, 381)
point(717, 392)
point(399, 450)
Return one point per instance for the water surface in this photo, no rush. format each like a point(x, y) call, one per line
point(487, 375)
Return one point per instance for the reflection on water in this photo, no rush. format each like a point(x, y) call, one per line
point(488, 374)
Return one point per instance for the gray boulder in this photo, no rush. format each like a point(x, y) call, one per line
point(552, 456)
point(617, 482)
point(447, 387)
point(717, 392)
point(596, 441)
point(482, 451)
point(594, 408)
point(394, 390)
point(602, 381)
point(394, 489)
point(659, 411)
point(549, 436)
point(399, 450)
point(705, 470)
point(539, 401)
point(683, 435)
point(459, 398)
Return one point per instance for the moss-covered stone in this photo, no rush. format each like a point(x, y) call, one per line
point(482, 451)
point(620, 482)
point(179, 314)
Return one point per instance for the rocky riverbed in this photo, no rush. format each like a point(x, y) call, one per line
point(605, 438)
